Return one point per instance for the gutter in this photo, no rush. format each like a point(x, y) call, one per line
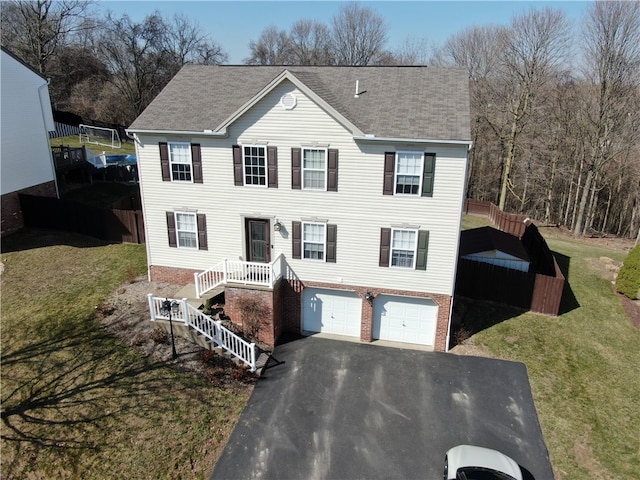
point(204, 133)
point(373, 138)
point(44, 122)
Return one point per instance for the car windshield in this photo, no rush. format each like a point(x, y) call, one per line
point(477, 473)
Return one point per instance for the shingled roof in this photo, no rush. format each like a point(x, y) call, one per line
point(394, 102)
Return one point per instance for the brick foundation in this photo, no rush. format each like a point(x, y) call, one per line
point(179, 276)
point(282, 307)
point(11, 218)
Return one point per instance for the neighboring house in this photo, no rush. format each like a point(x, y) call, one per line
point(25, 155)
point(490, 245)
point(346, 183)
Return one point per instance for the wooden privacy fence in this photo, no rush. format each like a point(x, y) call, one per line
point(60, 214)
point(512, 223)
point(539, 290)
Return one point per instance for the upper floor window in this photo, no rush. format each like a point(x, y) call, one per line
point(313, 240)
point(180, 162)
point(403, 248)
point(255, 168)
point(314, 168)
point(409, 173)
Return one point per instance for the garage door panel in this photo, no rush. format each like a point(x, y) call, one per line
point(405, 319)
point(331, 311)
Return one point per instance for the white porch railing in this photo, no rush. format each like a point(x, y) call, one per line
point(208, 327)
point(246, 273)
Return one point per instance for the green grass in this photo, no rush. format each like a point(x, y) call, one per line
point(77, 403)
point(74, 141)
point(582, 365)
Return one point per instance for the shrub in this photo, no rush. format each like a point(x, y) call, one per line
point(158, 335)
point(253, 315)
point(628, 281)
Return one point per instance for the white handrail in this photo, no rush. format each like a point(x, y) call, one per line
point(208, 327)
point(246, 273)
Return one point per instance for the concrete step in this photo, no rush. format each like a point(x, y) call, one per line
point(189, 292)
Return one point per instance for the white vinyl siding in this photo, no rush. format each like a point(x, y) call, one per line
point(358, 209)
point(314, 169)
point(180, 162)
point(26, 118)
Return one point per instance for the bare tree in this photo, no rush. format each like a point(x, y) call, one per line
point(414, 51)
point(310, 43)
point(359, 34)
point(188, 44)
point(36, 30)
point(272, 48)
point(612, 68)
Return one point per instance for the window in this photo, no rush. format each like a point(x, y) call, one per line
point(408, 173)
point(313, 241)
point(255, 169)
point(186, 230)
point(314, 168)
point(403, 248)
point(180, 161)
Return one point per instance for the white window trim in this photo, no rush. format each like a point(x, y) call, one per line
point(171, 162)
point(324, 241)
point(326, 168)
point(195, 222)
point(420, 175)
point(415, 248)
point(266, 166)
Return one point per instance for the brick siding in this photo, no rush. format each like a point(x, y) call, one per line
point(11, 218)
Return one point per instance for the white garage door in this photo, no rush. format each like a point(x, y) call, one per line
point(405, 319)
point(331, 311)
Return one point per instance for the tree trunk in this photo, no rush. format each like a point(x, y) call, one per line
point(547, 210)
point(577, 230)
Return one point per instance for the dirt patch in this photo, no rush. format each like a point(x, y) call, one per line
point(606, 267)
point(125, 314)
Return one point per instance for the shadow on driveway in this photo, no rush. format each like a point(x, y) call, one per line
point(342, 410)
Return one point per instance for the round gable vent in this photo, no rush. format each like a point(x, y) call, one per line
point(288, 101)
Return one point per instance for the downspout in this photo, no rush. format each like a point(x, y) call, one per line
point(455, 272)
point(44, 122)
point(136, 141)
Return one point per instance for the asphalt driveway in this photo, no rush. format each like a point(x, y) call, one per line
point(342, 410)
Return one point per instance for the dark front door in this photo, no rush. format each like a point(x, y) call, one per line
point(258, 245)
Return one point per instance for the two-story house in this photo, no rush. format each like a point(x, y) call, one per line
point(347, 183)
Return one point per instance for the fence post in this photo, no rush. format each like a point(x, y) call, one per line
point(224, 270)
point(152, 310)
point(253, 357)
point(195, 279)
point(217, 337)
point(185, 311)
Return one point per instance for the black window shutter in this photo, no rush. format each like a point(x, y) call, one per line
point(164, 161)
point(332, 170)
point(385, 246)
point(202, 231)
point(171, 229)
point(428, 174)
point(238, 170)
point(389, 173)
point(297, 239)
point(196, 161)
point(296, 169)
point(272, 166)
point(423, 246)
point(331, 243)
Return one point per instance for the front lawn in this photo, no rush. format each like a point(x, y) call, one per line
point(78, 403)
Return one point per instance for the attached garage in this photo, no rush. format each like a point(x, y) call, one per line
point(331, 311)
point(405, 319)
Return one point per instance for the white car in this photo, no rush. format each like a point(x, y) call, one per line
point(467, 462)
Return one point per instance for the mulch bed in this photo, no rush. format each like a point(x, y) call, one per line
point(631, 308)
